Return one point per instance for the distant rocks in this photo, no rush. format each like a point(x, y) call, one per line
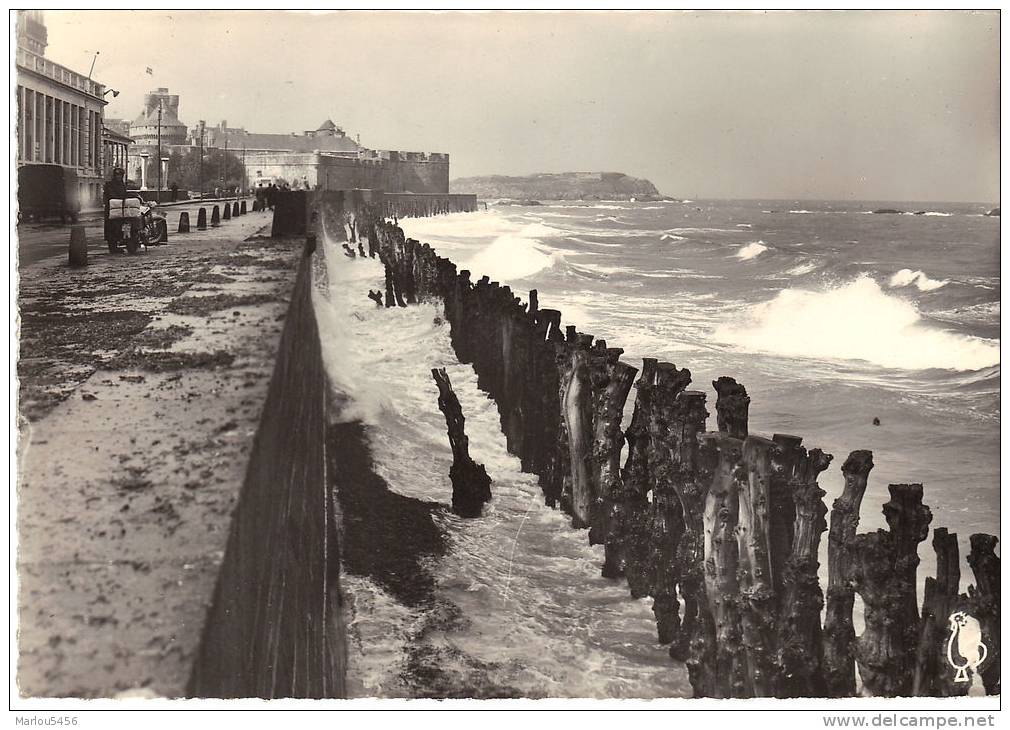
point(889, 211)
point(508, 201)
point(994, 213)
point(530, 189)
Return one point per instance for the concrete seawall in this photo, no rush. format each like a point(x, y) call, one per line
point(274, 627)
point(296, 211)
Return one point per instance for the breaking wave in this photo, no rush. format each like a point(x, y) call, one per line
point(907, 277)
point(855, 321)
point(511, 257)
point(751, 250)
point(483, 224)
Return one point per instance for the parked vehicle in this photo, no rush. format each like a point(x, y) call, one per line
point(134, 223)
point(47, 192)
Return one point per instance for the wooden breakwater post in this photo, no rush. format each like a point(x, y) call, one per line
point(722, 529)
point(471, 486)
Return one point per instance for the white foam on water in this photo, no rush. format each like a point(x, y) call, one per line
point(481, 224)
point(800, 269)
point(536, 616)
point(920, 279)
point(752, 250)
point(511, 257)
point(854, 321)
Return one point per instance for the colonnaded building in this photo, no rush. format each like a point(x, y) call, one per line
point(325, 157)
point(60, 114)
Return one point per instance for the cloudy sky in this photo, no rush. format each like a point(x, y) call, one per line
point(834, 105)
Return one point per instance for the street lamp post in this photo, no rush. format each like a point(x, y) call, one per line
point(143, 169)
point(159, 150)
point(201, 160)
point(224, 172)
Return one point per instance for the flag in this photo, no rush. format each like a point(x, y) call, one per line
point(150, 71)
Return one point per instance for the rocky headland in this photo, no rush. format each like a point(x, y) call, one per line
point(559, 186)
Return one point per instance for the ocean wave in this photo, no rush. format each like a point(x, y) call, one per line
point(482, 224)
point(800, 269)
point(751, 250)
point(703, 230)
point(907, 277)
point(855, 321)
point(744, 225)
point(510, 257)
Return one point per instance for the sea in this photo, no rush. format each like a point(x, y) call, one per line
point(832, 316)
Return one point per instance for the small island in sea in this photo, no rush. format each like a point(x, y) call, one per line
point(560, 186)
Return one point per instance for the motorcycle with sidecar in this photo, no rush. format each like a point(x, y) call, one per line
point(133, 222)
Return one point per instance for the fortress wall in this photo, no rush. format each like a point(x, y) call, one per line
point(413, 172)
point(419, 176)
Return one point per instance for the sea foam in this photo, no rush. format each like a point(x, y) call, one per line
point(855, 321)
point(751, 250)
point(920, 279)
point(511, 257)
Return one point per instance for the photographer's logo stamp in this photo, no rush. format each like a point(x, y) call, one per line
point(966, 632)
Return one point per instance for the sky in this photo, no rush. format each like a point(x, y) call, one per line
point(799, 105)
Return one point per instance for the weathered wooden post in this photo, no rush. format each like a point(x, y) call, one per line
point(984, 599)
point(839, 635)
point(226, 215)
point(884, 569)
point(242, 209)
point(184, 222)
point(933, 675)
point(201, 219)
point(215, 216)
point(800, 644)
point(731, 407)
point(235, 210)
point(471, 486)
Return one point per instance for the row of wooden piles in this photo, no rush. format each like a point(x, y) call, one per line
point(721, 528)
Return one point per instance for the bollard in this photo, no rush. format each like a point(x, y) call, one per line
point(242, 209)
point(235, 210)
point(78, 246)
point(256, 206)
point(201, 219)
point(184, 222)
point(215, 216)
point(226, 214)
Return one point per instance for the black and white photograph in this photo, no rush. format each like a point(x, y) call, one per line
point(505, 360)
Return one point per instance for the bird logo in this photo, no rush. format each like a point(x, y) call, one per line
point(967, 632)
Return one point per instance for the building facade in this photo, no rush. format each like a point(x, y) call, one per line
point(59, 111)
point(325, 157)
point(115, 151)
